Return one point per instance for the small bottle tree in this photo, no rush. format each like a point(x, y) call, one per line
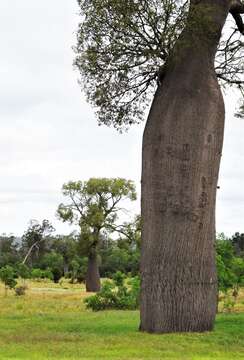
point(94, 205)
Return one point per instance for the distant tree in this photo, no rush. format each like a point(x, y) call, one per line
point(224, 255)
point(238, 242)
point(122, 254)
point(238, 270)
point(94, 205)
point(23, 271)
point(33, 240)
point(130, 232)
point(74, 270)
point(9, 254)
point(55, 263)
point(78, 269)
point(230, 268)
point(65, 245)
point(38, 274)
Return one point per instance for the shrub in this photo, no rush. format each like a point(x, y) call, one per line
point(229, 303)
point(55, 263)
point(20, 290)
point(41, 274)
point(7, 276)
point(36, 273)
point(23, 271)
point(78, 270)
point(116, 294)
point(47, 274)
point(56, 275)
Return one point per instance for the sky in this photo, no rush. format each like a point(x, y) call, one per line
point(49, 134)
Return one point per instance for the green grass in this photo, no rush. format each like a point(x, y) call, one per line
point(52, 323)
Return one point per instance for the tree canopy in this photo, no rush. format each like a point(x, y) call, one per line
point(123, 47)
point(33, 240)
point(94, 203)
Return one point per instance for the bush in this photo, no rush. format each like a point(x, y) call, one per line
point(23, 271)
point(20, 290)
point(7, 276)
point(229, 303)
point(115, 294)
point(78, 270)
point(55, 263)
point(56, 275)
point(36, 273)
point(41, 274)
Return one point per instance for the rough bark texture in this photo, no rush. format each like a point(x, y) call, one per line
point(92, 276)
point(182, 148)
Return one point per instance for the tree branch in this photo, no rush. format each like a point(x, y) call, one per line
point(237, 8)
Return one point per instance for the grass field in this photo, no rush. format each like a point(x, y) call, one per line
point(50, 322)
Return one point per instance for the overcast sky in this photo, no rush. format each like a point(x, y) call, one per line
point(49, 135)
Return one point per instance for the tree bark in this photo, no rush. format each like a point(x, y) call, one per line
point(93, 283)
point(182, 147)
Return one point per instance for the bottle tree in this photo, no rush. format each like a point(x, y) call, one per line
point(176, 54)
point(95, 205)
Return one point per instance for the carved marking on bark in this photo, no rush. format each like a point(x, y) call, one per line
point(210, 138)
point(186, 152)
point(200, 226)
point(185, 169)
point(204, 182)
point(193, 216)
point(203, 200)
point(178, 151)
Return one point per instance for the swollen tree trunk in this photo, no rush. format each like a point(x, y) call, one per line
point(93, 283)
point(182, 147)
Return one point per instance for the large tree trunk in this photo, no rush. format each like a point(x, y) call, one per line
point(182, 147)
point(93, 283)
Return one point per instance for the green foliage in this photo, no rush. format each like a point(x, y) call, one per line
point(9, 254)
point(93, 205)
point(38, 274)
point(228, 304)
point(66, 246)
point(23, 271)
point(224, 259)
point(63, 255)
point(230, 269)
point(237, 266)
point(124, 253)
point(119, 278)
point(238, 242)
point(78, 269)
point(73, 271)
point(34, 241)
point(121, 50)
point(116, 294)
point(7, 276)
point(55, 263)
point(117, 259)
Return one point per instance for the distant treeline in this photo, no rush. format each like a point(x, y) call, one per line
point(46, 255)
